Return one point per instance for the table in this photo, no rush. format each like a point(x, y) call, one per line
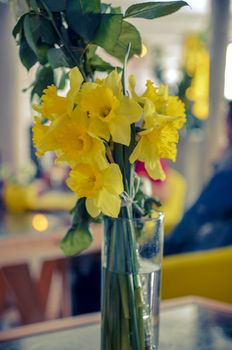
point(22, 241)
point(186, 324)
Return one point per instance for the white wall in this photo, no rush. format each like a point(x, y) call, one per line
point(14, 105)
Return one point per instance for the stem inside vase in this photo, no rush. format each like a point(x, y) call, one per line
point(132, 253)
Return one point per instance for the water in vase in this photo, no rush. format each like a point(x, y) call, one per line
point(128, 308)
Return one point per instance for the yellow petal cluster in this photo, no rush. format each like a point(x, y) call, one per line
point(101, 187)
point(111, 113)
point(77, 127)
point(163, 116)
point(82, 127)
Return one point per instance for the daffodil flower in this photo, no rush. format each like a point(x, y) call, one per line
point(54, 106)
point(111, 113)
point(164, 105)
point(101, 187)
point(69, 138)
point(158, 140)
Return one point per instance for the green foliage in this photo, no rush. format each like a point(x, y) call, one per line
point(27, 56)
point(60, 33)
point(151, 10)
point(18, 28)
point(129, 35)
point(56, 6)
point(78, 237)
point(110, 23)
point(47, 32)
point(58, 58)
point(83, 23)
point(98, 64)
point(90, 6)
point(44, 77)
point(31, 26)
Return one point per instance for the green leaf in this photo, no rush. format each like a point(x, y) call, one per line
point(44, 77)
point(47, 32)
point(77, 239)
point(33, 5)
point(91, 51)
point(42, 50)
point(108, 32)
point(83, 24)
point(56, 6)
point(100, 65)
point(18, 27)
point(129, 34)
point(80, 213)
point(90, 6)
point(78, 236)
point(151, 10)
point(27, 56)
point(32, 30)
point(116, 10)
point(57, 58)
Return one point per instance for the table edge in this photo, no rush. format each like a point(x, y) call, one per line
point(88, 319)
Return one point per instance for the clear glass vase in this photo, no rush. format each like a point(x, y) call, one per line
point(131, 269)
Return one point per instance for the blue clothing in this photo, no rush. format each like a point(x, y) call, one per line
point(208, 223)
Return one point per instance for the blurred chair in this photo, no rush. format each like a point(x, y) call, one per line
point(37, 299)
point(207, 274)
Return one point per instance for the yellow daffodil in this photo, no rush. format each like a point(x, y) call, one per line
point(164, 104)
point(101, 187)
point(68, 136)
point(157, 140)
point(53, 105)
point(158, 95)
point(40, 132)
point(110, 113)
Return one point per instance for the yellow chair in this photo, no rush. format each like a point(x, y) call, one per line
point(207, 274)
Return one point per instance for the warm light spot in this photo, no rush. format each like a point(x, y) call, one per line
point(40, 222)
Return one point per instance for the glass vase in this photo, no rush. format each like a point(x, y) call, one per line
point(131, 271)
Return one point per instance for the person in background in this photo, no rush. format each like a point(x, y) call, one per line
point(208, 223)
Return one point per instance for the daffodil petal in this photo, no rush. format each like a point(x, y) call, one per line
point(120, 131)
point(75, 78)
point(132, 83)
point(129, 109)
point(109, 203)
point(113, 82)
point(99, 128)
point(135, 155)
point(155, 170)
point(113, 179)
point(91, 207)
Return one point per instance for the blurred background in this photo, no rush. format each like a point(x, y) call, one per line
point(191, 51)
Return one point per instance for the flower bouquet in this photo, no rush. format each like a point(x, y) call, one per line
point(100, 128)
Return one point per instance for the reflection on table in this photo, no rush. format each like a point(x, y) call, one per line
point(186, 324)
